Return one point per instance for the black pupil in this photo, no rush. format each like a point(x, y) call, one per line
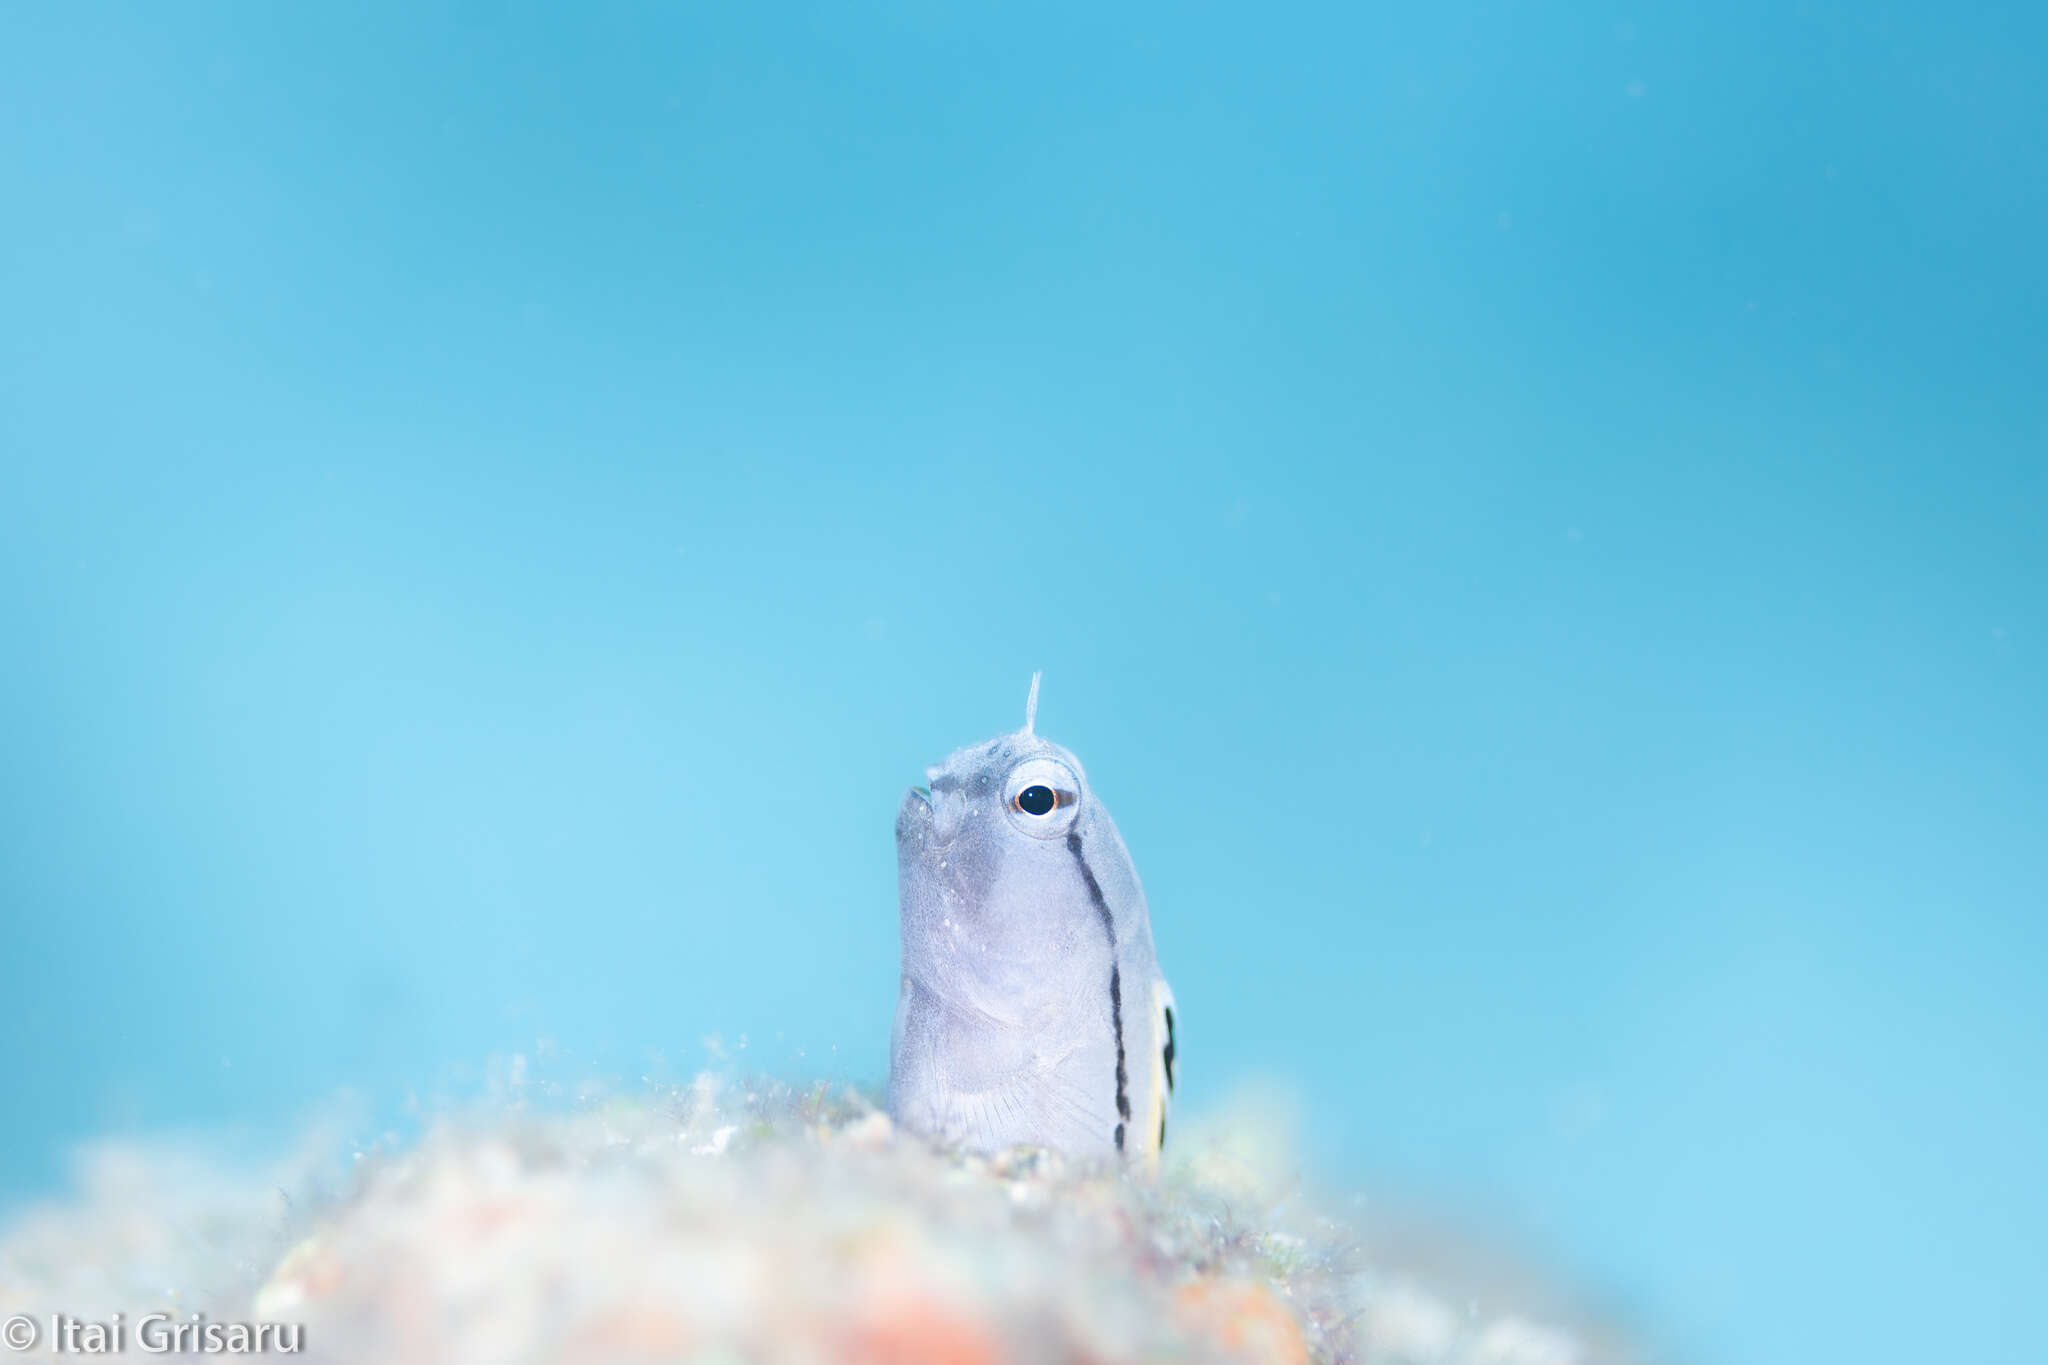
point(1036, 800)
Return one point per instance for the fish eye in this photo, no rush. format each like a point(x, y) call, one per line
point(1037, 800)
point(1043, 796)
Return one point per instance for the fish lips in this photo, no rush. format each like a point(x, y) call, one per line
point(914, 816)
point(930, 815)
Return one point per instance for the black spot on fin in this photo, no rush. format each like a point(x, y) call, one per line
point(1169, 1048)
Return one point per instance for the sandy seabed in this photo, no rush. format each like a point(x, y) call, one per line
point(723, 1220)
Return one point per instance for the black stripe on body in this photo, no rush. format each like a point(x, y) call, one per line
point(1116, 983)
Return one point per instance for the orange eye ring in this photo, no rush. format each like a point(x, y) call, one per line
point(1037, 800)
point(1045, 796)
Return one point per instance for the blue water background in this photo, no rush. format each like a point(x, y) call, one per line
point(1533, 516)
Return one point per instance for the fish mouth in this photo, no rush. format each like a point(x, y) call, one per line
point(914, 817)
point(931, 818)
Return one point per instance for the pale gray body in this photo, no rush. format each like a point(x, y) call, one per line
point(1032, 1009)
